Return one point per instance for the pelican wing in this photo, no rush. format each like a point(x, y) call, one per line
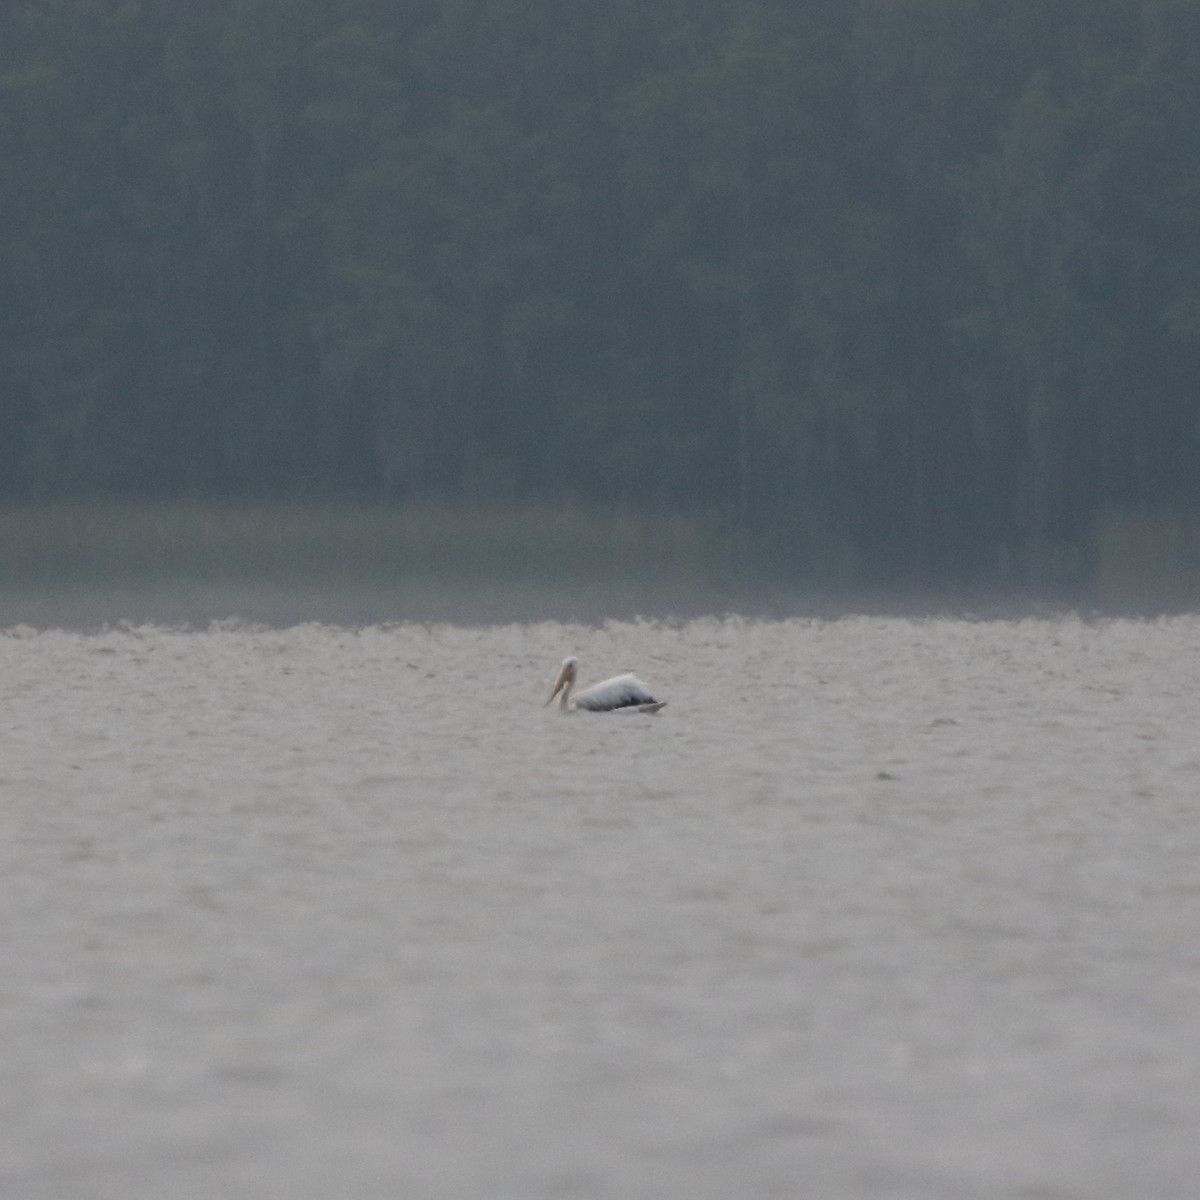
point(622, 691)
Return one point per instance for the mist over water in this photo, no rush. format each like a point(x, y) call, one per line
point(876, 907)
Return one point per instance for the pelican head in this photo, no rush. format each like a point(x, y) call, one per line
point(566, 677)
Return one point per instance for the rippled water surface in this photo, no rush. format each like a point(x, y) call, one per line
point(875, 908)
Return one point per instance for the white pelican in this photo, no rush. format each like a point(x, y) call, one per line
point(622, 693)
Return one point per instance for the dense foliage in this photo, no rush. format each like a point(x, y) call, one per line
point(909, 288)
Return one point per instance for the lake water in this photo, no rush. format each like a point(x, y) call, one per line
point(875, 908)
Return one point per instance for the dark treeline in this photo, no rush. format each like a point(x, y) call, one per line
point(903, 289)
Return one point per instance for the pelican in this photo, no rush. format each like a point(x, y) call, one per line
point(622, 693)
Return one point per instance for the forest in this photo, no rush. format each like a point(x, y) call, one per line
point(892, 291)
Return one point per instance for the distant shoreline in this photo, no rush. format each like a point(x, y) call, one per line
point(80, 565)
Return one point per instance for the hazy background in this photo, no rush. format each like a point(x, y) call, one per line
point(895, 296)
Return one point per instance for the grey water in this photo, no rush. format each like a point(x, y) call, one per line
point(875, 907)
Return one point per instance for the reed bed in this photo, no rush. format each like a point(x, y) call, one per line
point(346, 559)
point(80, 543)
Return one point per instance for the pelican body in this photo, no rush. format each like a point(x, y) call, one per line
point(621, 693)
